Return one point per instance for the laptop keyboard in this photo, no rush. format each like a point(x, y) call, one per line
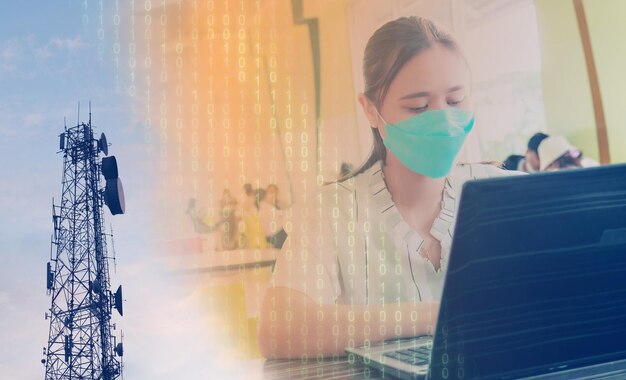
point(414, 355)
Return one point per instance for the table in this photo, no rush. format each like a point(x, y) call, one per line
point(219, 261)
point(194, 256)
point(326, 368)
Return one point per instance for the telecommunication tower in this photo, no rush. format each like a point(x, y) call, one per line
point(81, 344)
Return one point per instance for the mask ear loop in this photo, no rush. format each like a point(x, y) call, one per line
point(380, 116)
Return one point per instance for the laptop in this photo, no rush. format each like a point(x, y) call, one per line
point(535, 287)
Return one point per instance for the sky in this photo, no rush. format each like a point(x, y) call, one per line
point(54, 55)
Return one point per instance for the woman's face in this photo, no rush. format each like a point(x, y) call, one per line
point(435, 79)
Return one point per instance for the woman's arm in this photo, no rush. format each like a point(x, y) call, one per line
point(292, 324)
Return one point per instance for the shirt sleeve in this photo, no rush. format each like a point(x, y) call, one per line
point(480, 170)
point(308, 260)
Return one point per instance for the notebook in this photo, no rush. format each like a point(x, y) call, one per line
point(535, 287)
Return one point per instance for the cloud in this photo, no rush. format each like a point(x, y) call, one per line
point(68, 43)
point(10, 53)
point(33, 120)
point(57, 44)
point(10, 50)
point(18, 120)
point(17, 50)
point(43, 53)
point(4, 299)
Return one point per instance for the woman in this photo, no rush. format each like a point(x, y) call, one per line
point(255, 237)
point(272, 217)
point(369, 261)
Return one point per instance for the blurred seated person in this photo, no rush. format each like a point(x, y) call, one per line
point(513, 162)
point(254, 235)
point(228, 205)
point(272, 217)
point(556, 153)
point(530, 163)
point(203, 223)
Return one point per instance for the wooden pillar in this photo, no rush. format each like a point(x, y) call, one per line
point(598, 109)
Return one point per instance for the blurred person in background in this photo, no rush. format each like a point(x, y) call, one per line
point(556, 153)
point(253, 231)
point(230, 220)
point(272, 217)
point(530, 163)
point(513, 162)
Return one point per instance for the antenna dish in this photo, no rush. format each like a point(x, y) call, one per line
point(114, 196)
point(109, 168)
point(118, 301)
point(119, 349)
point(103, 145)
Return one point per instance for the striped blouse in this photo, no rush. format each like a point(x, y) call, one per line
point(349, 244)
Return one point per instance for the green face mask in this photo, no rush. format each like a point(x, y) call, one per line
point(428, 143)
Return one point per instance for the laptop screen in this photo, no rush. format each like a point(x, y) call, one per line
point(537, 276)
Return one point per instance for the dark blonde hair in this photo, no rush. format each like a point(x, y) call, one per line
point(386, 52)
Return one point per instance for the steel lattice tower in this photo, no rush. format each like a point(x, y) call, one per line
point(81, 344)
